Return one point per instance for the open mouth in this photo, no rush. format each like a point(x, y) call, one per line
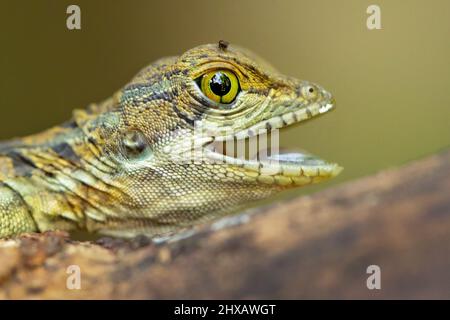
point(256, 151)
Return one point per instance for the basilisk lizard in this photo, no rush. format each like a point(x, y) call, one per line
point(119, 167)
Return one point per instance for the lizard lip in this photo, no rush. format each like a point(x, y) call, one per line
point(281, 121)
point(300, 168)
point(285, 167)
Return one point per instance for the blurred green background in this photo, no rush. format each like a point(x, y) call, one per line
point(392, 86)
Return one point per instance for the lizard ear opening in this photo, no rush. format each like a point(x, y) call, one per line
point(135, 145)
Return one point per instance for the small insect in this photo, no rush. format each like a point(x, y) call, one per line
point(223, 45)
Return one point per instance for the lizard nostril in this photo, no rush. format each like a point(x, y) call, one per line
point(309, 92)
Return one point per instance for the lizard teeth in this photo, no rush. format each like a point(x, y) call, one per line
point(270, 167)
point(278, 122)
point(288, 118)
point(326, 108)
point(266, 165)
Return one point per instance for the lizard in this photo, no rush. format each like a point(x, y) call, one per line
point(119, 167)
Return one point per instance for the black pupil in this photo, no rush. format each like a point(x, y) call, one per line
point(220, 84)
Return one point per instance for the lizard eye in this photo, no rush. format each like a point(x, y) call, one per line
point(221, 86)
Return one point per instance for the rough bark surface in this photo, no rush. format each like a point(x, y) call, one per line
point(315, 246)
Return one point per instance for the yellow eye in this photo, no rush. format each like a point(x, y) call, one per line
point(221, 86)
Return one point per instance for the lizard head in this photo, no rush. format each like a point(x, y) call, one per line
point(184, 142)
point(186, 129)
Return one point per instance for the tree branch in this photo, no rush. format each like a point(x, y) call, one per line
point(315, 246)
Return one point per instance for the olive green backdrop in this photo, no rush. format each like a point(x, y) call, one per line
point(392, 85)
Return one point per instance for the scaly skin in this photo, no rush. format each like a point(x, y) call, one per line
point(120, 167)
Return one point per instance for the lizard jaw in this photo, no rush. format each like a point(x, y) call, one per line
point(281, 121)
point(284, 169)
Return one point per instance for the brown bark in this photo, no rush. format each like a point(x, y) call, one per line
point(315, 246)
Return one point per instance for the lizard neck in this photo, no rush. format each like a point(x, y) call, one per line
point(62, 174)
